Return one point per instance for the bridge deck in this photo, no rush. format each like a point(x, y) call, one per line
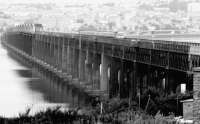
point(179, 52)
point(187, 38)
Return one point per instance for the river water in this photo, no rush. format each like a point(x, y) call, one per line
point(22, 88)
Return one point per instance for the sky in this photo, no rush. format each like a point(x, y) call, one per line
point(69, 1)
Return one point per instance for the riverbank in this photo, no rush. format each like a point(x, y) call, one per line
point(113, 112)
point(75, 116)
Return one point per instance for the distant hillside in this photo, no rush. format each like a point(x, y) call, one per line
point(140, 16)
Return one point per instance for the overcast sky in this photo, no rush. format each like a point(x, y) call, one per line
point(69, 1)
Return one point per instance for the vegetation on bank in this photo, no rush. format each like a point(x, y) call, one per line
point(50, 116)
point(56, 116)
point(154, 105)
point(160, 101)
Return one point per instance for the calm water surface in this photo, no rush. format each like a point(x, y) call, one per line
point(21, 88)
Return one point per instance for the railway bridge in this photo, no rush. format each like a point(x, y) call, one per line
point(102, 64)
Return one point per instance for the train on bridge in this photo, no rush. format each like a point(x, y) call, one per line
point(106, 65)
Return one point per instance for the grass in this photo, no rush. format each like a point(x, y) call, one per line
point(50, 116)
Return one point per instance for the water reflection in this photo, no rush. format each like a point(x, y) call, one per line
point(21, 87)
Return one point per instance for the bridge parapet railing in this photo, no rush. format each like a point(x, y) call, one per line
point(71, 42)
point(172, 47)
point(179, 61)
point(164, 45)
point(182, 47)
point(76, 43)
point(143, 55)
point(98, 47)
point(129, 53)
point(66, 42)
point(90, 46)
point(195, 50)
point(159, 58)
point(84, 44)
point(108, 49)
point(118, 51)
point(90, 38)
point(195, 56)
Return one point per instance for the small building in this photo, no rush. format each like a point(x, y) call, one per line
point(188, 109)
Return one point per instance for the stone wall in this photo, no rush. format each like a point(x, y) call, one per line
point(196, 95)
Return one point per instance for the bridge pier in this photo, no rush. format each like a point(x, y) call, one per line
point(51, 52)
point(60, 47)
point(54, 52)
point(42, 48)
point(64, 56)
point(76, 63)
point(48, 50)
point(96, 71)
point(73, 57)
point(68, 55)
point(127, 87)
point(44, 54)
point(115, 77)
point(88, 69)
point(82, 62)
point(134, 82)
point(71, 60)
point(105, 74)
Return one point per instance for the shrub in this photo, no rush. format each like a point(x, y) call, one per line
point(159, 100)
